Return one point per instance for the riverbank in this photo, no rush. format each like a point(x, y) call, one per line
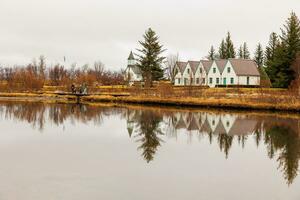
point(246, 101)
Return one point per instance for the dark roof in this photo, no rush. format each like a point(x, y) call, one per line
point(206, 127)
point(193, 125)
point(206, 64)
point(244, 67)
point(243, 127)
point(131, 57)
point(221, 64)
point(180, 124)
point(181, 66)
point(220, 128)
point(194, 65)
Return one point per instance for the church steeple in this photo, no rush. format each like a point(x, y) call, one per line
point(131, 60)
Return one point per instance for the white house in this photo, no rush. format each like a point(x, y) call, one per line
point(217, 73)
point(132, 72)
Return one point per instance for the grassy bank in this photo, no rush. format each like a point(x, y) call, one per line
point(236, 103)
point(254, 99)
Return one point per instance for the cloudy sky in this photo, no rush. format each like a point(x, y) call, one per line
point(88, 30)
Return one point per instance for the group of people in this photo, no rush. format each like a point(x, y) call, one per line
point(82, 89)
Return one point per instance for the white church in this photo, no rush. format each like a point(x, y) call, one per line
point(132, 72)
point(210, 73)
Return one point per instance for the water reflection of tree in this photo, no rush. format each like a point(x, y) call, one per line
point(37, 113)
point(283, 140)
point(148, 133)
point(225, 143)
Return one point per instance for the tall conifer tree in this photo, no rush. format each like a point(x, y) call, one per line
point(212, 53)
point(259, 55)
point(222, 50)
point(150, 59)
point(230, 51)
point(246, 52)
point(241, 52)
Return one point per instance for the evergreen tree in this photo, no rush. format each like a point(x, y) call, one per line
point(273, 44)
point(246, 52)
point(222, 50)
point(211, 53)
point(150, 59)
point(241, 52)
point(229, 47)
point(280, 65)
point(259, 55)
point(270, 49)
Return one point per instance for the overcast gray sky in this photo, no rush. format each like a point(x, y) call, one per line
point(106, 30)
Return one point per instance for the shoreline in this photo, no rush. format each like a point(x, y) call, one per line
point(192, 102)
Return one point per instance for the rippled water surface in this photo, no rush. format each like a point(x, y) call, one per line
point(100, 152)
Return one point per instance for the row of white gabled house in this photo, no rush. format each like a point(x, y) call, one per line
point(215, 73)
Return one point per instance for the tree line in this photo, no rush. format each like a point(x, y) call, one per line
point(37, 74)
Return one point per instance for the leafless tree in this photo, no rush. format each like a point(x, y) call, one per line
point(170, 66)
point(99, 69)
point(42, 66)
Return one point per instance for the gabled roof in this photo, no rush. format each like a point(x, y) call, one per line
point(206, 127)
point(221, 64)
point(207, 64)
point(194, 65)
point(243, 127)
point(180, 124)
point(244, 67)
point(193, 125)
point(131, 57)
point(220, 128)
point(181, 66)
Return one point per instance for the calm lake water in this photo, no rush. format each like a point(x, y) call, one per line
point(72, 152)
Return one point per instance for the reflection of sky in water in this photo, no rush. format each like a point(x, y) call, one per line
point(84, 158)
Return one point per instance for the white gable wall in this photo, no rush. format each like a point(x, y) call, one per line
point(201, 75)
point(229, 75)
point(187, 75)
point(178, 77)
point(213, 76)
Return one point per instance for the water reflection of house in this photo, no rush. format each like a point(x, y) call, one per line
point(205, 123)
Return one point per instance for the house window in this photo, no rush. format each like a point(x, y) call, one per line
point(213, 122)
point(228, 69)
point(227, 123)
point(248, 80)
point(217, 80)
point(231, 80)
point(201, 70)
point(179, 81)
point(210, 80)
point(214, 70)
point(188, 71)
point(197, 80)
point(203, 80)
point(185, 81)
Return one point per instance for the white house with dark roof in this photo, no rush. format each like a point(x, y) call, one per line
point(217, 73)
point(132, 72)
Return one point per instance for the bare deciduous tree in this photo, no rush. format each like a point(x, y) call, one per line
point(170, 66)
point(99, 69)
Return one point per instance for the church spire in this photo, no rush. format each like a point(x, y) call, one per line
point(131, 60)
point(131, 57)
